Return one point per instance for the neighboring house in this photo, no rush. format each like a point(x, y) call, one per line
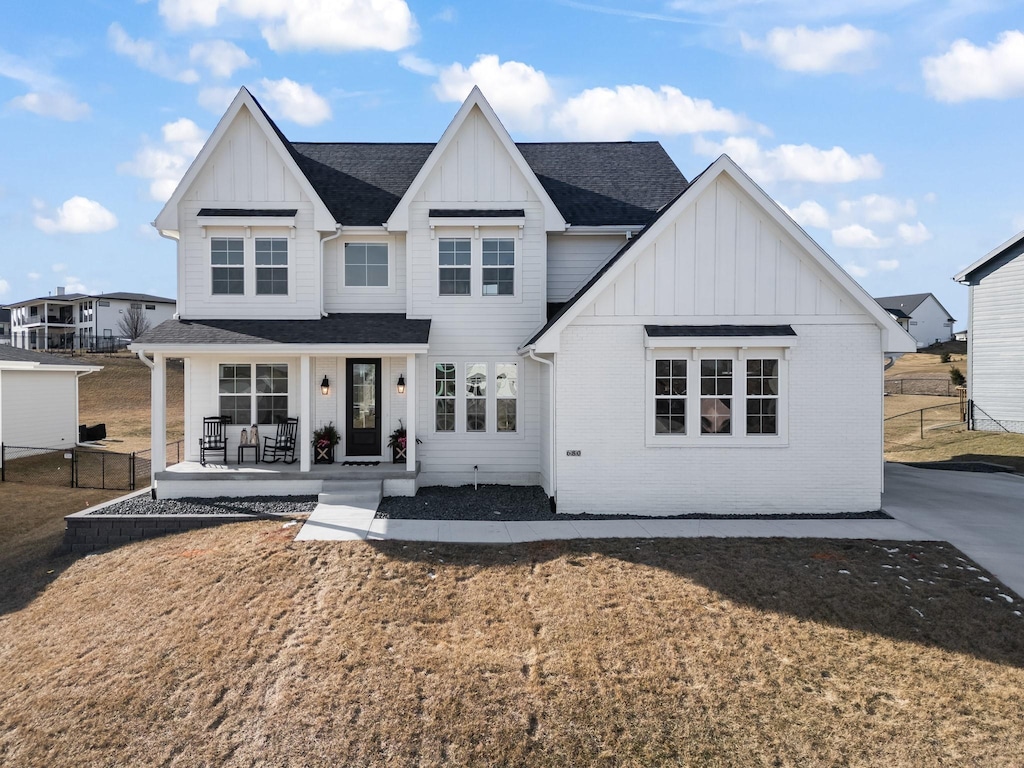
point(70, 321)
point(573, 315)
point(995, 337)
point(39, 399)
point(921, 315)
point(5, 326)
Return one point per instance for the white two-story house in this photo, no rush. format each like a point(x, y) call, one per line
point(572, 315)
point(79, 321)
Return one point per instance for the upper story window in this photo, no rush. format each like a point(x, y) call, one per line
point(272, 266)
point(499, 266)
point(102, 303)
point(33, 311)
point(136, 305)
point(454, 259)
point(151, 306)
point(227, 260)
point(366, 265)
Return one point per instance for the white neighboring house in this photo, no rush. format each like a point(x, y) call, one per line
point(71, 321)
point(921, 315)
point(995, 337)
point(5, 326)
point(39, 399)
point(572, 315)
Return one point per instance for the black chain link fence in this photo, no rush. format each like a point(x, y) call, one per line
point(80, 467)
point(921, 386)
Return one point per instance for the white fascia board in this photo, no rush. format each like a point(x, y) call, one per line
point(475, 221)
point(364, 230)
point(167, 219)
point(719, 342)
point(625, 230)
point(246, 221)
point(282, 350)
point(961, 277)
point(35, 367)
point(399, 219)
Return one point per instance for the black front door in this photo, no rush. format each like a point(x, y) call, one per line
point(362, 397)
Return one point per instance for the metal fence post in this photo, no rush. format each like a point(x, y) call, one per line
point(131, 471)
point(922, 423)
point(3, 463)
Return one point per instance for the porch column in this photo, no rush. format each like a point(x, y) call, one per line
point(158, 415)
point(305, 415)
point(410, 413)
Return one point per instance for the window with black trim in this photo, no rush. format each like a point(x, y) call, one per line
point(670, 397)
point(366, 265)
point(499, 266)
point(454, 257)
point(763, 396)
point(271, 266)
point(716, 397)
point(227, 265)
point(253, 393)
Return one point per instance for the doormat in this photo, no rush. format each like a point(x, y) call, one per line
point(360, 463)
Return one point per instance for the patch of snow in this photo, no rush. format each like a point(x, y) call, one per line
point(917, 611)
point(904, 578)
point(1007, 598)
point(887, 566)
point(891, 551)
point(982, 578)
point(290, 523)
point(842, 571)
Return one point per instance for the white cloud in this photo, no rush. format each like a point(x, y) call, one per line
point(830, 49)
point(967, 71)
point(148, 55)
point(221, 57)
point(606, 114)
point(856, 236)
point(931, 197)
point(809, 214)
point(33, 275)
point(73, 285)
point(793, 162)
point(59, 267)
point(878, 209)
point(913, 234)
point(419, 66)
point(857, 271)
point(294, 101)
point(47, 97)
point(887, 265)
point(164, 164)
point(326, 25)
point(77, 215)
point(518, 92)
point(448, 14)
point(216, 99)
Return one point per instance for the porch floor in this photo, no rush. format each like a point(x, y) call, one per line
point(193, 470)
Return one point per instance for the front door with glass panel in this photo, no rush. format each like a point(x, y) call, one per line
point(362, 422)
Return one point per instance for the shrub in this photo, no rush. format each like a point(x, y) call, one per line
point(957, 376)
point(945, 357)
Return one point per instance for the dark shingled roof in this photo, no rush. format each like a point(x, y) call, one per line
point(908, 302)
point(722, 331)
point(123, 296)
point(355, 328)
point(9, 354)
point(265, 212)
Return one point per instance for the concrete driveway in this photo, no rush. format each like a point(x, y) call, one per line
point(981, 514)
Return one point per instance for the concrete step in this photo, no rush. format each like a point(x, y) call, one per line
point(362, 494)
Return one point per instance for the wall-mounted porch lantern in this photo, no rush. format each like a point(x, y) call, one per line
point(325, 387)
point(401, 383)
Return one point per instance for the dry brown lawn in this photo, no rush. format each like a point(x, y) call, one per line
point(237, 646)
point(928, 364)
point(119, 396)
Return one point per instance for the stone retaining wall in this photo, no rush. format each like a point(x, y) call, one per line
point(86, 533)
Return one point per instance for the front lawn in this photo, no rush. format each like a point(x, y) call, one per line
point(238, 646)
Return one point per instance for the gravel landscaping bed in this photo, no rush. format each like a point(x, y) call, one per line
point(247, 505)
point(511, 502)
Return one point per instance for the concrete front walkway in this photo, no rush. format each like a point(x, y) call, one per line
point(344, 523)
point(980, 514)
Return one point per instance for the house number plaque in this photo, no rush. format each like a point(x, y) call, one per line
point(574, 453)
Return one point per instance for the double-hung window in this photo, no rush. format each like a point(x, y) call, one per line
point(499, 266)
point(670, 397)
point(454, 259)
point(716, 396)
point(762, 396)
point(227, 263)
point(253, 393)
point(366, 265)
point(272, 266)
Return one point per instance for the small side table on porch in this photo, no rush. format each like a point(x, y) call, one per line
point(243, 447)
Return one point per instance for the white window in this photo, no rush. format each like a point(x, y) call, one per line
point(506, 391)
point(454, 260)
point(499, 266)
point(271, 266)
point(227, 265)
point(444, 397)
point(763, 396)
point(253, 393)
point(366, 265)
point(716, 397)
point(670, 397)
point(476, 397)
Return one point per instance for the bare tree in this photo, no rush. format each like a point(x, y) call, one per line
point(134, 322)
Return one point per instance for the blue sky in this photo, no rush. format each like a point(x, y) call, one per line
point(890, 129)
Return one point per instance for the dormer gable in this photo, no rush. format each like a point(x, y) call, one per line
point(476, 164)
point(243, 125)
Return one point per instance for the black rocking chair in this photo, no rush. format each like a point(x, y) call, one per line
point(282, 445)
point(213, 440)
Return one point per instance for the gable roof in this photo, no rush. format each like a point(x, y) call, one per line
point(993, 260)
point(907, 303)
point(115, 296)
point(723, 165)
point(13, 358)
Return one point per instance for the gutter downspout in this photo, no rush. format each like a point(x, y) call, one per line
point(335, 236)
point(551, 458)
point(176, 316)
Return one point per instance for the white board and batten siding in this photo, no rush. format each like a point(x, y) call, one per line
point(722, 261)
point(476, 171)
point(996, 376)
point(245, 171)
point(39, 409)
